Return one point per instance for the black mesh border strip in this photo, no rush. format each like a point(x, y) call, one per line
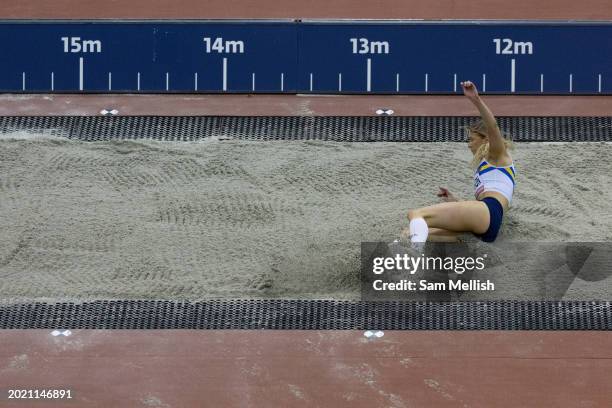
point(310, 315)
point(332, 128)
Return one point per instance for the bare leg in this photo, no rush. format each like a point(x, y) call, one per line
point(460, 216)
point(442, 235)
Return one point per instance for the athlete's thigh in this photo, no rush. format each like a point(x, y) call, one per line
point(458, 216)
point(442, 235)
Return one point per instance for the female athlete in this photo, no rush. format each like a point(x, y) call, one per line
point(494, 180)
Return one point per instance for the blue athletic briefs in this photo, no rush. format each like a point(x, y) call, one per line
point(496, 211)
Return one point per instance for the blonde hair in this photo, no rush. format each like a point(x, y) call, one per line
point(480, 128)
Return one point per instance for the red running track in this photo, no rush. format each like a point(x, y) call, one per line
point(177, 368)
point(375, 9)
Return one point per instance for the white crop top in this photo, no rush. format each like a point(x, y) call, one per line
point(490, 178)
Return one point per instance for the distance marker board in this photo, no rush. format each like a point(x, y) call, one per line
point(332, 57)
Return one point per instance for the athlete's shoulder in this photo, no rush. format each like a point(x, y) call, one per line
point(504, 160)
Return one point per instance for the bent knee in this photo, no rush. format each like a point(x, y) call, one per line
point(416, 213)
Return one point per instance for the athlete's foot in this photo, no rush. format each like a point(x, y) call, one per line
point(405, 236)
point(397, 247)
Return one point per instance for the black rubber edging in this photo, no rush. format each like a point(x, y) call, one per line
point(310, 315)
point(331, 128)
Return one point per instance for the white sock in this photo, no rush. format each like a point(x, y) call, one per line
point(418, 233)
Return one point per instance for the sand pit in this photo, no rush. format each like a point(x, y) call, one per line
point(233, 219)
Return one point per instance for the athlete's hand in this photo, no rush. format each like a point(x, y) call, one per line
point(446, 195)
point(469, 90)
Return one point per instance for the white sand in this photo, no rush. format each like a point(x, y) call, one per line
point(235, 219)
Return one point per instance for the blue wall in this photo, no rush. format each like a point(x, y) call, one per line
point(295, 57)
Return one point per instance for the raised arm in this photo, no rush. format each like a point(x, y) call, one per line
point(497, 148)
